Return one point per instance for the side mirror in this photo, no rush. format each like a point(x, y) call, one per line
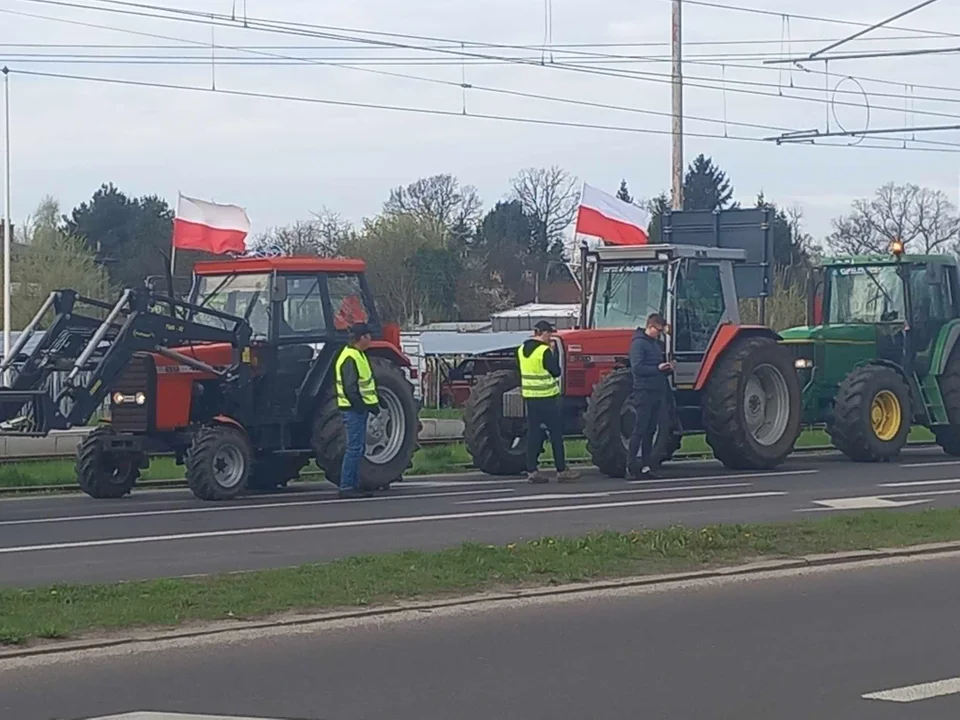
point(934, 276)
point(278, 293)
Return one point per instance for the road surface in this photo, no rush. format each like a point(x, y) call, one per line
point(152, 534)
point(807, 644)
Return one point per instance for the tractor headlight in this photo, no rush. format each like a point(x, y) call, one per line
point(141, 398)
point(118, 398)
point(803, 363)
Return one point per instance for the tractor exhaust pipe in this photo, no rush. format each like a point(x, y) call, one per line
point(98, 336)
point(27, 332)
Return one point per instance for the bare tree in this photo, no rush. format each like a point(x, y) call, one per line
point(923, 219)
point(440, 198)
point(549, 198)
point(324, 235)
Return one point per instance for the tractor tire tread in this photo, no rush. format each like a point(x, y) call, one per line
point(481, 435)
point(848, 428)
point(198, 462)
point(90, 474)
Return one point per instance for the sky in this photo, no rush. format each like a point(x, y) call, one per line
point(607, 60)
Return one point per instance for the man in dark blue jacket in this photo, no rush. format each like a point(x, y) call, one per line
point(650, 369)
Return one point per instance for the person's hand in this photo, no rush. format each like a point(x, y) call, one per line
point(666, 367)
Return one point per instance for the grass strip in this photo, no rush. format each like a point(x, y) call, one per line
point(65, 611)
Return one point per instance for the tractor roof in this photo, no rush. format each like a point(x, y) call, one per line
point(662, 253)
point(888, 259)
point(305, 264)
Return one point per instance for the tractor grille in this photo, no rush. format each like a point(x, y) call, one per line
point(800, 350)
point(576, 378)
point(139, 376)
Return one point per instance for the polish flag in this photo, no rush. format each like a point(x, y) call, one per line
point(611, 219)
point(210, 227)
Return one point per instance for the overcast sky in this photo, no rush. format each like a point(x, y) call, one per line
point(281, 159)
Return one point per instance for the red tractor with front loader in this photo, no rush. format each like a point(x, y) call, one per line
point(734, 383)
point(236, 382)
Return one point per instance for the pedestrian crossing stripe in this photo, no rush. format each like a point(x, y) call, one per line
point(175, 716)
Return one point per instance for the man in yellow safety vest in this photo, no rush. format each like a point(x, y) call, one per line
point(356, 398)
point(540, 388)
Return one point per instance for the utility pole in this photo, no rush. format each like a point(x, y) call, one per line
point(676, 193)
point(7, 226)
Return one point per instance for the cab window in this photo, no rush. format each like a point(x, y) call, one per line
point(700, 308)
point(303, 308)
point(347, 300)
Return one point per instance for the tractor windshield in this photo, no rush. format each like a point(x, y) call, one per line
point(246, 296)
point(865, 294)
point(627, 294)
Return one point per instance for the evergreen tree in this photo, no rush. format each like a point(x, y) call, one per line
point(706, 186)
point(624, 193)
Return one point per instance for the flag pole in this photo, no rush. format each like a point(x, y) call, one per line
point(7, 225)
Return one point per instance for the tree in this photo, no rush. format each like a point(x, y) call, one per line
point(504, 244)
point(656, 207)
point(923, 219)
point(439, 198)
point(624, 193)
point(548, 198)
point(324, 235)
point(706, 186)
point(45, 259)
point(131, 236)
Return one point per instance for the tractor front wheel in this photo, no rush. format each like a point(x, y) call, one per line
point(392, 436)
point(948, 437)
point(497, 444)
point(871, 414)
point(103, 474)
point(608, 424)
point(218, 462)
point(752, 405)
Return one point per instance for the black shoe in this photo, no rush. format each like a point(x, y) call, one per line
point(353, 494)
point(647, 474)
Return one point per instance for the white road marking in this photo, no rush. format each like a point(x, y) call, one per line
point(458, 483)
point(373, 522)
point(920, 483)
point(740, 476)
point(248, 506)
point(600, 494)
point(174, 716)
point(865, 503)
point(930, 464)
point(915, 693)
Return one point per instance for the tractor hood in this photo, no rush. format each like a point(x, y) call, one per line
point(852, 333)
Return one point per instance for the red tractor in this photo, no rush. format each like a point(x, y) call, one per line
point(236, 382)
point(733, 382)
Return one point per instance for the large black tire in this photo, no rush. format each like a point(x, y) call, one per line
point(851, 427)
point(492, 452)
point(745, 429)
point(218, 462)
point(104, 475)
point(608, 424)
point(399, 415)
point(272, 472)
point(949, 437)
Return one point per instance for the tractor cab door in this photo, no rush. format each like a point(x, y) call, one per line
point(932, 298)
point(704, 298)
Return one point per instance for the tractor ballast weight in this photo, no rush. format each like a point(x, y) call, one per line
point(879, 352)
point(733, 382)
point(236, 382)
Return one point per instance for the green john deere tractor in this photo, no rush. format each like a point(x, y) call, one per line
point(880, 353)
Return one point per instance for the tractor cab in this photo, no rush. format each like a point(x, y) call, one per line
point(883, 321)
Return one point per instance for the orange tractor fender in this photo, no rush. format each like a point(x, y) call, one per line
point(726, 333)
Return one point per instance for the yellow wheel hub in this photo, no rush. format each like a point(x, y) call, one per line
point(885, 415)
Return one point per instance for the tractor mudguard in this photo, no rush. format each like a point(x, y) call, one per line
point(388, 351)
point(946, 341)
point(726, 333)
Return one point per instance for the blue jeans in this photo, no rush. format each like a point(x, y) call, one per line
point(356, 425)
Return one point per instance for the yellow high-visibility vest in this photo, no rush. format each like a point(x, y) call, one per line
point(368, 386)
point(535, 380)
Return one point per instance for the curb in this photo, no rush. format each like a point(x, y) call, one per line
point(220, 627)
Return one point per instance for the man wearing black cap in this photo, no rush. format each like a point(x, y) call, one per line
point(356, 398)
point(540, 388)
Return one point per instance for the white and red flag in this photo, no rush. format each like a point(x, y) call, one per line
point(210, 227)
point(611, 219)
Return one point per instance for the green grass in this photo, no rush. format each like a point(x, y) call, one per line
point(442, 413)
point(68, 610)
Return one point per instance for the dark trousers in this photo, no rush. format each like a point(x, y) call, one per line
point(355, 424)
point(544, 412)
point(648, 404)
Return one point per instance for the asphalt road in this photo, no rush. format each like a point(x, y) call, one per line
point(153, 534)
point(863, 643)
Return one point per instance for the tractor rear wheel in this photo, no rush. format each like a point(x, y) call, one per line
point(948, 437)
point(871, 414)
point(496, 444)
point(218, 462)
point(391, 436)
point(752, 405)
point(103, 474)
point(608, 424)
